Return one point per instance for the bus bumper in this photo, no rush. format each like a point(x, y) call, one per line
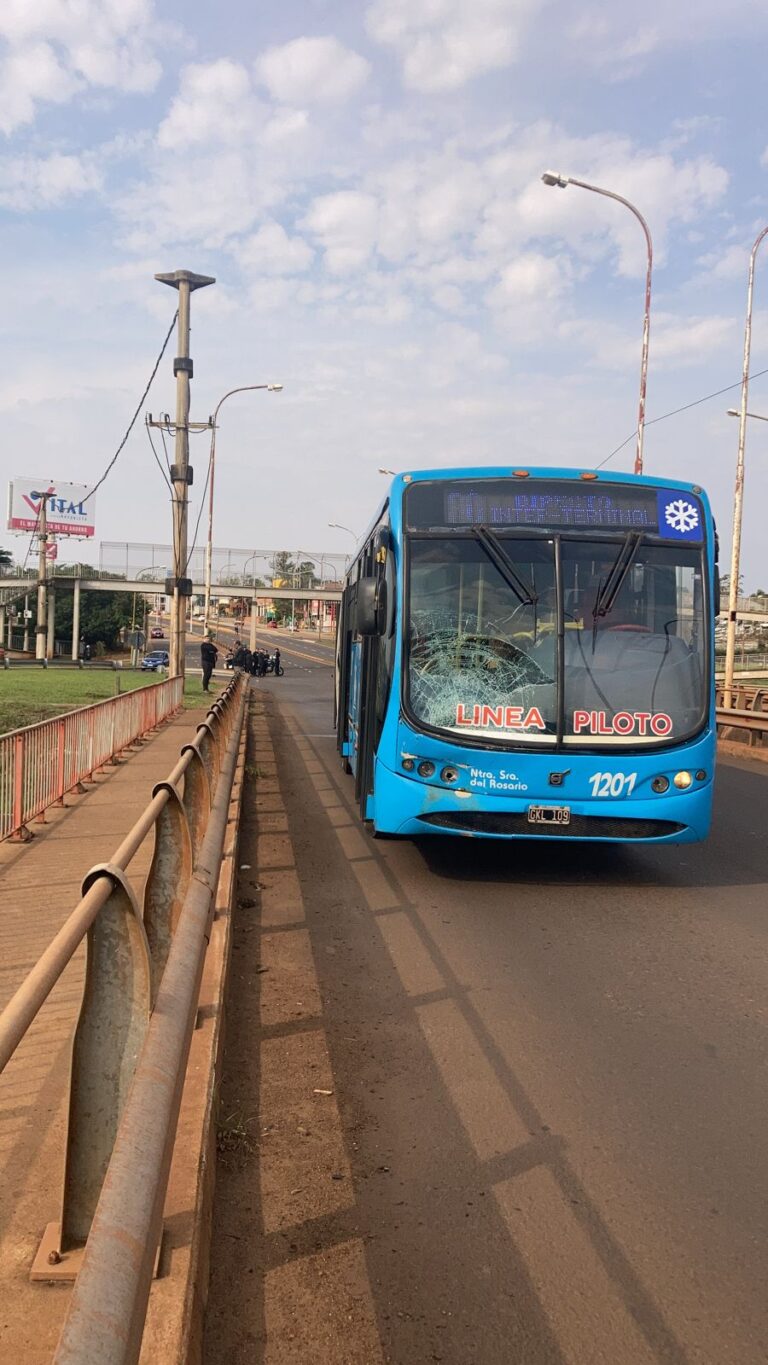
point(405, 806)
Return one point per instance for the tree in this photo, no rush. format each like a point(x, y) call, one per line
point(283, 568)
point(103, 615)
point(725, 584)
point(305, 574)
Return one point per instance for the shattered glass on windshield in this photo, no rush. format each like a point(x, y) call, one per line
point(480, 661)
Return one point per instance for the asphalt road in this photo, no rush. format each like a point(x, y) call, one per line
point(549, 1076)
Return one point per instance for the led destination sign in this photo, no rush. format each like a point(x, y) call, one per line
point(553, 504)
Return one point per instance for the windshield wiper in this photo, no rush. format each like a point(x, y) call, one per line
point(610, 587)
point(501, 561)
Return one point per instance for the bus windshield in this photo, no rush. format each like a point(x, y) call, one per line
point(584, 640)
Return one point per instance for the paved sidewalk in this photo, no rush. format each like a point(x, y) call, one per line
point(39, 887)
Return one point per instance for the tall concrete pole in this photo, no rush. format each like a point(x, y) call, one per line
point(41, 628)
point(51, 632)
point(76, 622)
point(738, 498)
point(209, 541)
point(244, 388)
point(184, 281)
point(252, 642)
point(25, 642)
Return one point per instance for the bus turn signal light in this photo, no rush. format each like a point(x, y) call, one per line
point(660, 784)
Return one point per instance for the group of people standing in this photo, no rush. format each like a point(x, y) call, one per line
point(257, 662)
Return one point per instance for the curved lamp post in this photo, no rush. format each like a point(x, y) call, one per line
point(562, 182)
point(337, 526)
point(244, 388)
point(738, 499)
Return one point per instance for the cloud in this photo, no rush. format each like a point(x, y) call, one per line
point(55, 49)
point(30, 182)
point(346, 226)
point(609, 39)
point(442, 44)
point(728, 264)
point(28, 75)
point(214, 104)
point(680, 342)
point(312, 70)
point(270, 251)
point(529, 278)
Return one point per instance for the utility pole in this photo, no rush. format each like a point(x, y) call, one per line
point(181, 474)
point(41, 628)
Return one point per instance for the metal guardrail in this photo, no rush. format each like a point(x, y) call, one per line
point(41, 763)
point(748, 710)
point(131, 1044)
point(112, 665)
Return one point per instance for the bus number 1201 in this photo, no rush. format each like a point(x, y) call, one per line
point(612, 784)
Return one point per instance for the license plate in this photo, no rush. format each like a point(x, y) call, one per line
point(549, 815)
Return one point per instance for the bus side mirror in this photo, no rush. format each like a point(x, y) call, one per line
point(371, 606)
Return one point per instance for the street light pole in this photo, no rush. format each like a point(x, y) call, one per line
point(336, 526)
point(244, 388)
point(184, 281)
point(562, 182)
point(738, 499)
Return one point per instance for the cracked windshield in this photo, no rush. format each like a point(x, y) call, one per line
point(483, 639)
point(482, 636)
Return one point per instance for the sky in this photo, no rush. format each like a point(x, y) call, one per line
point(363, 181)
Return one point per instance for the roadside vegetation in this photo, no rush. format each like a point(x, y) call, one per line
point(30, 695)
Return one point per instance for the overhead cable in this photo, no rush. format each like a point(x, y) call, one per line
point(140, 405)
point(685, 408)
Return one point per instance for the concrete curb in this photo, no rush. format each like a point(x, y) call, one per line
point(735, 748)
point(173, 1334)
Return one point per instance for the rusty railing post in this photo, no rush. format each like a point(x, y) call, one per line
point(197, 796)
point(114, 1017)
point(168, 879)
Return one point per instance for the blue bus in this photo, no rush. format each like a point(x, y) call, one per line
point(529, 653)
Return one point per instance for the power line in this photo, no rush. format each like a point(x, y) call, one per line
point(199, 515)
point(685, 408)
point(132, 422)
point(158, 461)
point(165, 449)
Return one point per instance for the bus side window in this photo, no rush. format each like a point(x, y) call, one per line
point(386, 651)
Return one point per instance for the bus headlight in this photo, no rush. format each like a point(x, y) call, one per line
point(682, 780)
point(409, 765)
point(660, 784)
point(449, 775)
point(426, 768)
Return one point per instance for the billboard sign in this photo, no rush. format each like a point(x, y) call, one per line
point(67, 511)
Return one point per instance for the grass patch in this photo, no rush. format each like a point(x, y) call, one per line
point(194, 694)
point(29, 695)
point(235, 1136)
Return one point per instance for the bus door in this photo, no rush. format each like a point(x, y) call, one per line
point(343, 669)
point(368, 648)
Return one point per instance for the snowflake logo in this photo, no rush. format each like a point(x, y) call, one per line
point(681, 516)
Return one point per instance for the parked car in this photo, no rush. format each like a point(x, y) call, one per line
point(157, 633)
point(272, 625)
point(157, 658)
